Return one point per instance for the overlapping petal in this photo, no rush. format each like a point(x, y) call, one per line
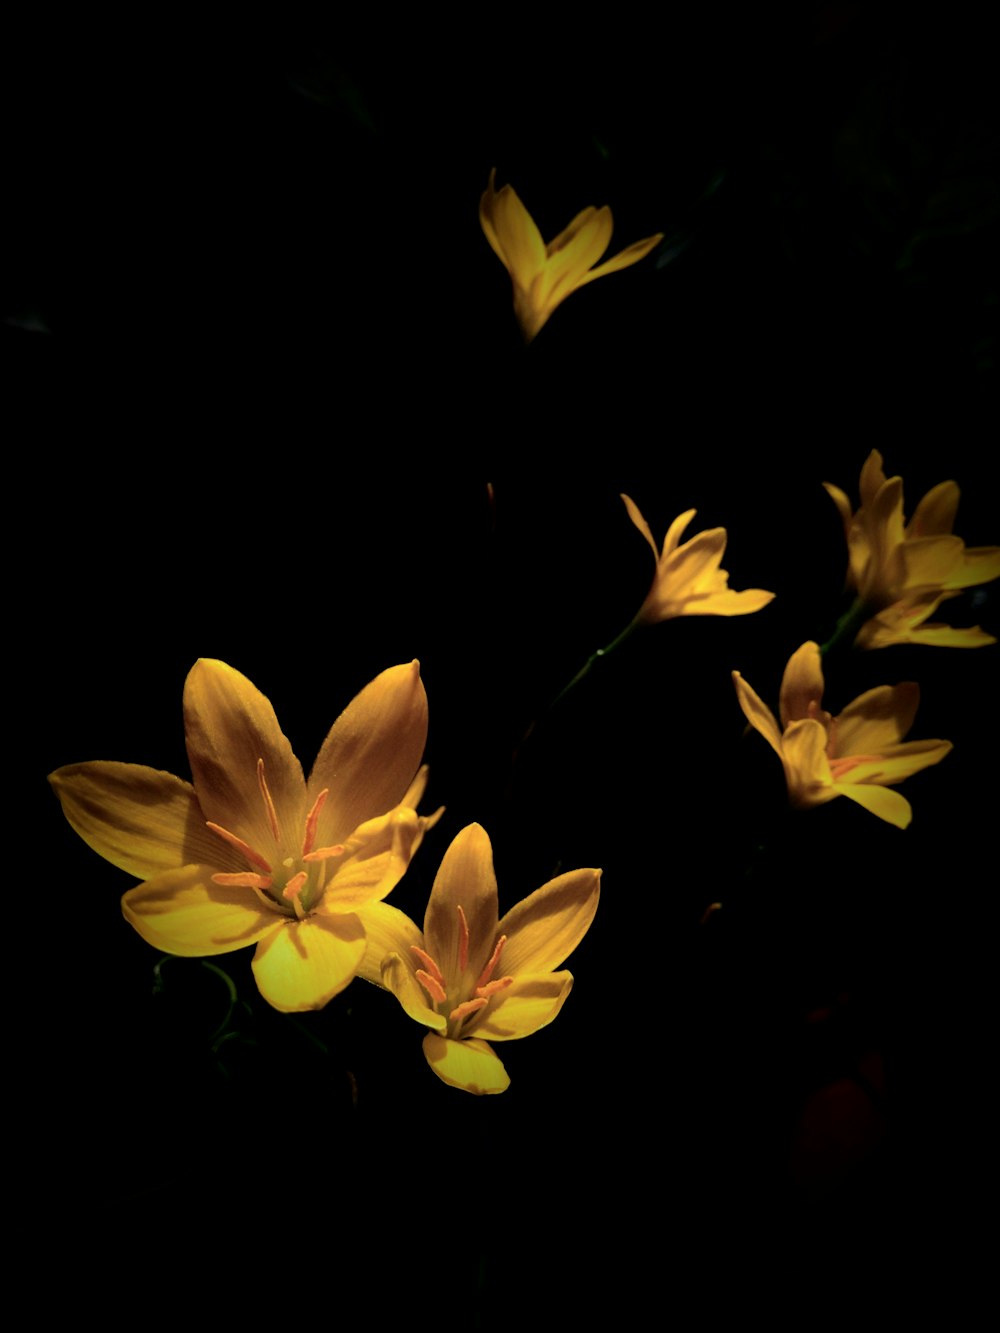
point(183, 912)
point(528, 1003)
point(304, 964)
point(466, 880)
point(543, 929)
point(543, 276)
point(470, 1065)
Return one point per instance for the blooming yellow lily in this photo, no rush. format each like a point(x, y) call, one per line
point(688, 580)
point(544, 275)
point(469, 976)
point(859, 754)
point(252, 853)
point(902, 573)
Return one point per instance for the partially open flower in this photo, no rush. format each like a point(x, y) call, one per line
point(544, 275)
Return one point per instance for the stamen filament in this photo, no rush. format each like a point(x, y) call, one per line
point(242, 847)
point(272, 814)
point(312, 819)
point(490, 967)
point(292, 890)
point(463, 940)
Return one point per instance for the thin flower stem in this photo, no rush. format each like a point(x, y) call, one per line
point(847, 626)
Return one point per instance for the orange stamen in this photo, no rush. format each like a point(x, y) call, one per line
point(272, 814)
point(322, 853)
point(431, 985)
point(501, 983)
point(244, 880)
point(429, 963)
point(463, 940)
point(242, 847)
point(490, 967)
point(838, 767)
point(295, 885)
point(312, 819)
point(467, 1007)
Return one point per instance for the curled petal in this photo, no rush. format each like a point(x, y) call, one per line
point(304, 964)
point(469, 1064)
point(139, 819)
point(625, 258)
point(635, 515)
point(387, 930)
point(843, 505)
point(396, 974)
point(757, 712)
point(573, 252)
point(183, 912)
point(511, 231)
point(807, 769)
point(881, 801)
point(543, 929)
point(527, 1004)
point(376, 858)
point(897, 762)
point(935, 514)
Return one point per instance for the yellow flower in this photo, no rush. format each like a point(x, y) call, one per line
point(858, 754)
point(252, 853)
point(688, 580)
point(468, 976)
point(544, 275)
point(902, 574)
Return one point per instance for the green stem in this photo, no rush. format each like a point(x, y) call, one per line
point(847, 626)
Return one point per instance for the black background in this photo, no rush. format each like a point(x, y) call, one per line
point(264, 368)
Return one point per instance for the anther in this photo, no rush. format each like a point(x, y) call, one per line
point(244, 880)
point(428, 963)
point(501, 983)
point(323, 853)
point(466, 1008)
point(272, 814)
point(432, 986)
point(312, 819)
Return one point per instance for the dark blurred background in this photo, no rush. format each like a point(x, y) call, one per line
point(264, 366)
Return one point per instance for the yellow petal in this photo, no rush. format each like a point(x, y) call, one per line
point(304, 964)
point(383, 850)
point(872, 478)
point(636, 516)
point(465, 879)
point(882, 801)
point(624, 259)
point(374, 748)
point(726, 602)
point(397, 975)
point(935, 513)
point(511, 231)
point(897, 762)
point(693, 564)
point(469, 1064)
point(674, 533)
point(757, 712)
point(807, 769)
point(980, 564)
point(183, 912)
point(229, 726)
point(528, 1003)
point(139, 819)
point(931, 561)
point(876, 719)
point(387, 930)
point(802, 685)
point(544, 928)
point(574, 251)
point(843, 504)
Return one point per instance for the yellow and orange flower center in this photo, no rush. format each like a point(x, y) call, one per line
point(840, 765)
point(460, 996)
point(288, 877)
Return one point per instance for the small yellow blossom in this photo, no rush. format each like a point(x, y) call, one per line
point(544, 275)
point(252, 853)
point(688, 580)
point(859, 754)
point(902, 573)
point(469, 976)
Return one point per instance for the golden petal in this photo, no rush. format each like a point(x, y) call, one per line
point(530, 1002)
point(470, 1065)
point(624, 259)
point(230, 726)
point(371, 754)
point(140, 819)
point(876, 719)
point(757, 712)
point(306, 963)
point(543, 929)
point(464, 879)
point(802, 685)
point(183, 912)
point(881, 801)
point(935, 514)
